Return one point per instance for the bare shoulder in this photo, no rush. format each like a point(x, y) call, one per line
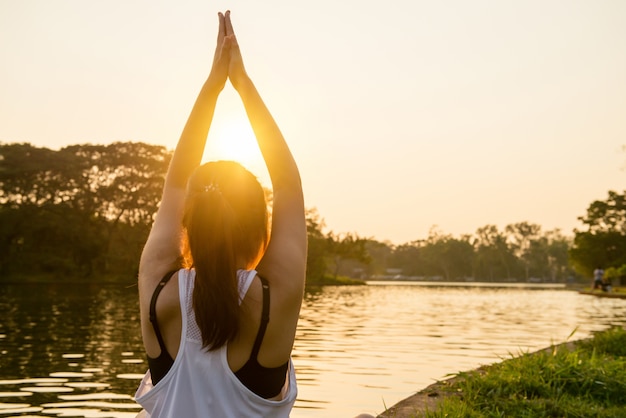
point(162, 252)
point(284, 262)
point(281, 328)
point(167, 309)
point(284, 267)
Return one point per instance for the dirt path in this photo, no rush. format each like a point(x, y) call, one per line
point(425, 400)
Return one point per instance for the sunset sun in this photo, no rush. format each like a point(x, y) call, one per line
point(233, 140)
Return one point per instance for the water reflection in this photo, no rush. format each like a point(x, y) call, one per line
point(70, 350)
point(358, 349)
point(66, 341)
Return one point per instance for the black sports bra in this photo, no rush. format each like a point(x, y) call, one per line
point(266, 382)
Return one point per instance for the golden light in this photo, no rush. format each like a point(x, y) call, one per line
point(234, 140)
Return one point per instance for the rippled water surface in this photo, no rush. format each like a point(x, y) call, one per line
point(75, 350)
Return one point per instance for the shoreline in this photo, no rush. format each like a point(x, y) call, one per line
point(429, 398)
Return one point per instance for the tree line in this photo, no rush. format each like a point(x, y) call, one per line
point(84, 212)
point(520, 252)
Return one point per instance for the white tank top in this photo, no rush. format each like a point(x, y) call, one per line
point(200, 383)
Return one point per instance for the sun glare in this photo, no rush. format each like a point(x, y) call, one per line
point(233, 140)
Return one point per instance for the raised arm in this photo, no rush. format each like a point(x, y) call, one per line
point(190, 147)
point(162, 250)
point(284, 261)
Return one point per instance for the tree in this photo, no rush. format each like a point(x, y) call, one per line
point(603, 242)
point(557, 246)
point(494, 259)
point(446, 256)
point(380, 255)
point(607, 215)
point(408, 258)
point(346, 247)
point(317, 246)
point(326, 249)
point(82, 210)
point(524, 240)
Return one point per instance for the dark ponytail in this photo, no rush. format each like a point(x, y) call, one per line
point(215, 295)
point(225, 221)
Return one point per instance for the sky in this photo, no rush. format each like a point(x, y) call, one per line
point(402, 115)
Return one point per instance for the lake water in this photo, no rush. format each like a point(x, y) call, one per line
point(75, 350)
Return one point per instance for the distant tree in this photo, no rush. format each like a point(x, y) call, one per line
point(462, 252)
point(494, 258)
point(602, 242)
point(408, 258)
point(524, 241)
point(557, 255)
point(82, 210)
point(328, 252)
point(607, 215)
point(380, 256)
point(447, 256)
point(317, 246)
point(346, 247)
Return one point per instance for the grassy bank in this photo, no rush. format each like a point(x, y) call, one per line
point(581, 379)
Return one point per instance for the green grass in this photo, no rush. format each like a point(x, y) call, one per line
point(588, 380)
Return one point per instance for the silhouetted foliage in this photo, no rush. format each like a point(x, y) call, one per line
point(488, 255)
point(86, 210)
point(317, 246)
point(81, 211)
point(603, 242)
point(521, 252)
point(344, 248)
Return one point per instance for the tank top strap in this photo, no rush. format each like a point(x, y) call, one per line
point(153, 318)
point(265, 319)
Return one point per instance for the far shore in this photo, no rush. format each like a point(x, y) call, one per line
point(132, 280)
point(17, 278)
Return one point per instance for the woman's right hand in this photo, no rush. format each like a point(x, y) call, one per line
point(236, 70)
point(221, 58)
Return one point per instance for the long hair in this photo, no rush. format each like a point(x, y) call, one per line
point(225, 223)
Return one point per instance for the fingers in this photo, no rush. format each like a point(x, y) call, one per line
point(230, 32)
point(221, 32)
point(226, 45)
point(229, 25)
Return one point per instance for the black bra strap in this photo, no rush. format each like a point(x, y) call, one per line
point(265, 318)
point(153, 318)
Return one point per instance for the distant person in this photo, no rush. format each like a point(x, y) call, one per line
point(219, 293)
point(598, 279)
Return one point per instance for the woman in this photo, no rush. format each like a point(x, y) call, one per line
point(219, 298)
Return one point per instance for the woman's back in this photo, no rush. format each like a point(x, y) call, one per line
point(204, 336)
point(201, 383)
